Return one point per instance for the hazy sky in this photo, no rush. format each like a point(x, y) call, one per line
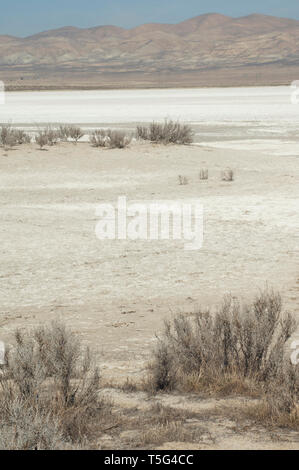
point(25, 17)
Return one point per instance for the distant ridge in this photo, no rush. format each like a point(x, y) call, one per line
point(147, 54)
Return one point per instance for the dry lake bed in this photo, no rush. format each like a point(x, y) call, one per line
point(116, 294)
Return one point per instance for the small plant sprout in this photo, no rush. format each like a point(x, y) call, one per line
point(183, 180)
point(204, 174)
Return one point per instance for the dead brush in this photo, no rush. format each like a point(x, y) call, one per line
point(75, 133)
point(170, 132)
point(118, 139)
point(110, 138)
point(42, 139)
point(10, 137)
point(21, 137)
point(234, 344)
point(64, 132)
point(51, 378)
point(52, 135)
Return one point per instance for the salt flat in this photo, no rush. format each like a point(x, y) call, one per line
point(195, 105)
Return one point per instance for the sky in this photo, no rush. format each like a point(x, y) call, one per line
point(25, 17)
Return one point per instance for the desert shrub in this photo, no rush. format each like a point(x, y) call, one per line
point(118, 139)
point(233, 342)
point(203, 174)
point(42, 139)
point(10, 137)
point(142, 132)
point(183, 180)
point(52, 135)
point(75, 133)
point(21, 137)
point(28, 427)
point(170, 132)
point(64, 132)
point(281, 400)
point(69, 131)
point(227, 175)
point(109, 138)
point(99, 138)
point(49, 380)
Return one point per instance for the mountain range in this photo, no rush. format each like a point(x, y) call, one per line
point(210, 49)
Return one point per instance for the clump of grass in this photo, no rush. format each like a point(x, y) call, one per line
point(227, 175)
point(49, 391)
point(183, 180)
point(203, 174)
point(233, 346)
point(170, 132)
point(109, 138)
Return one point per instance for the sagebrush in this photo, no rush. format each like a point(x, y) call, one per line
point(232, 344)
point(49, 391)
point(169, 132)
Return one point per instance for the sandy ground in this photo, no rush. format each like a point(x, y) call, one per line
point(116, 294)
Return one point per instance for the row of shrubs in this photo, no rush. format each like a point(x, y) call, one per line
point(10, 137)
point(50, 394)
point(166, 133)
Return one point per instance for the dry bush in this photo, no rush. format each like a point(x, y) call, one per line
point(227, 175)
point(69, 131)
point(11, 137)
point(142, 132)
point(183, 180)
point(232, 345)
point(22, 137)
point(281, 400)
point(109, 138)
point(75, 133)
point(118, 139)
point(51, 378)
point(52, 136)
point(203, 174)
point(170, 132)
point(64, 132)
point(99, 138)
point(28, 427)
point(42, 139)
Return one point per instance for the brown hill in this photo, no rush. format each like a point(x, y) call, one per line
point(151, 52)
